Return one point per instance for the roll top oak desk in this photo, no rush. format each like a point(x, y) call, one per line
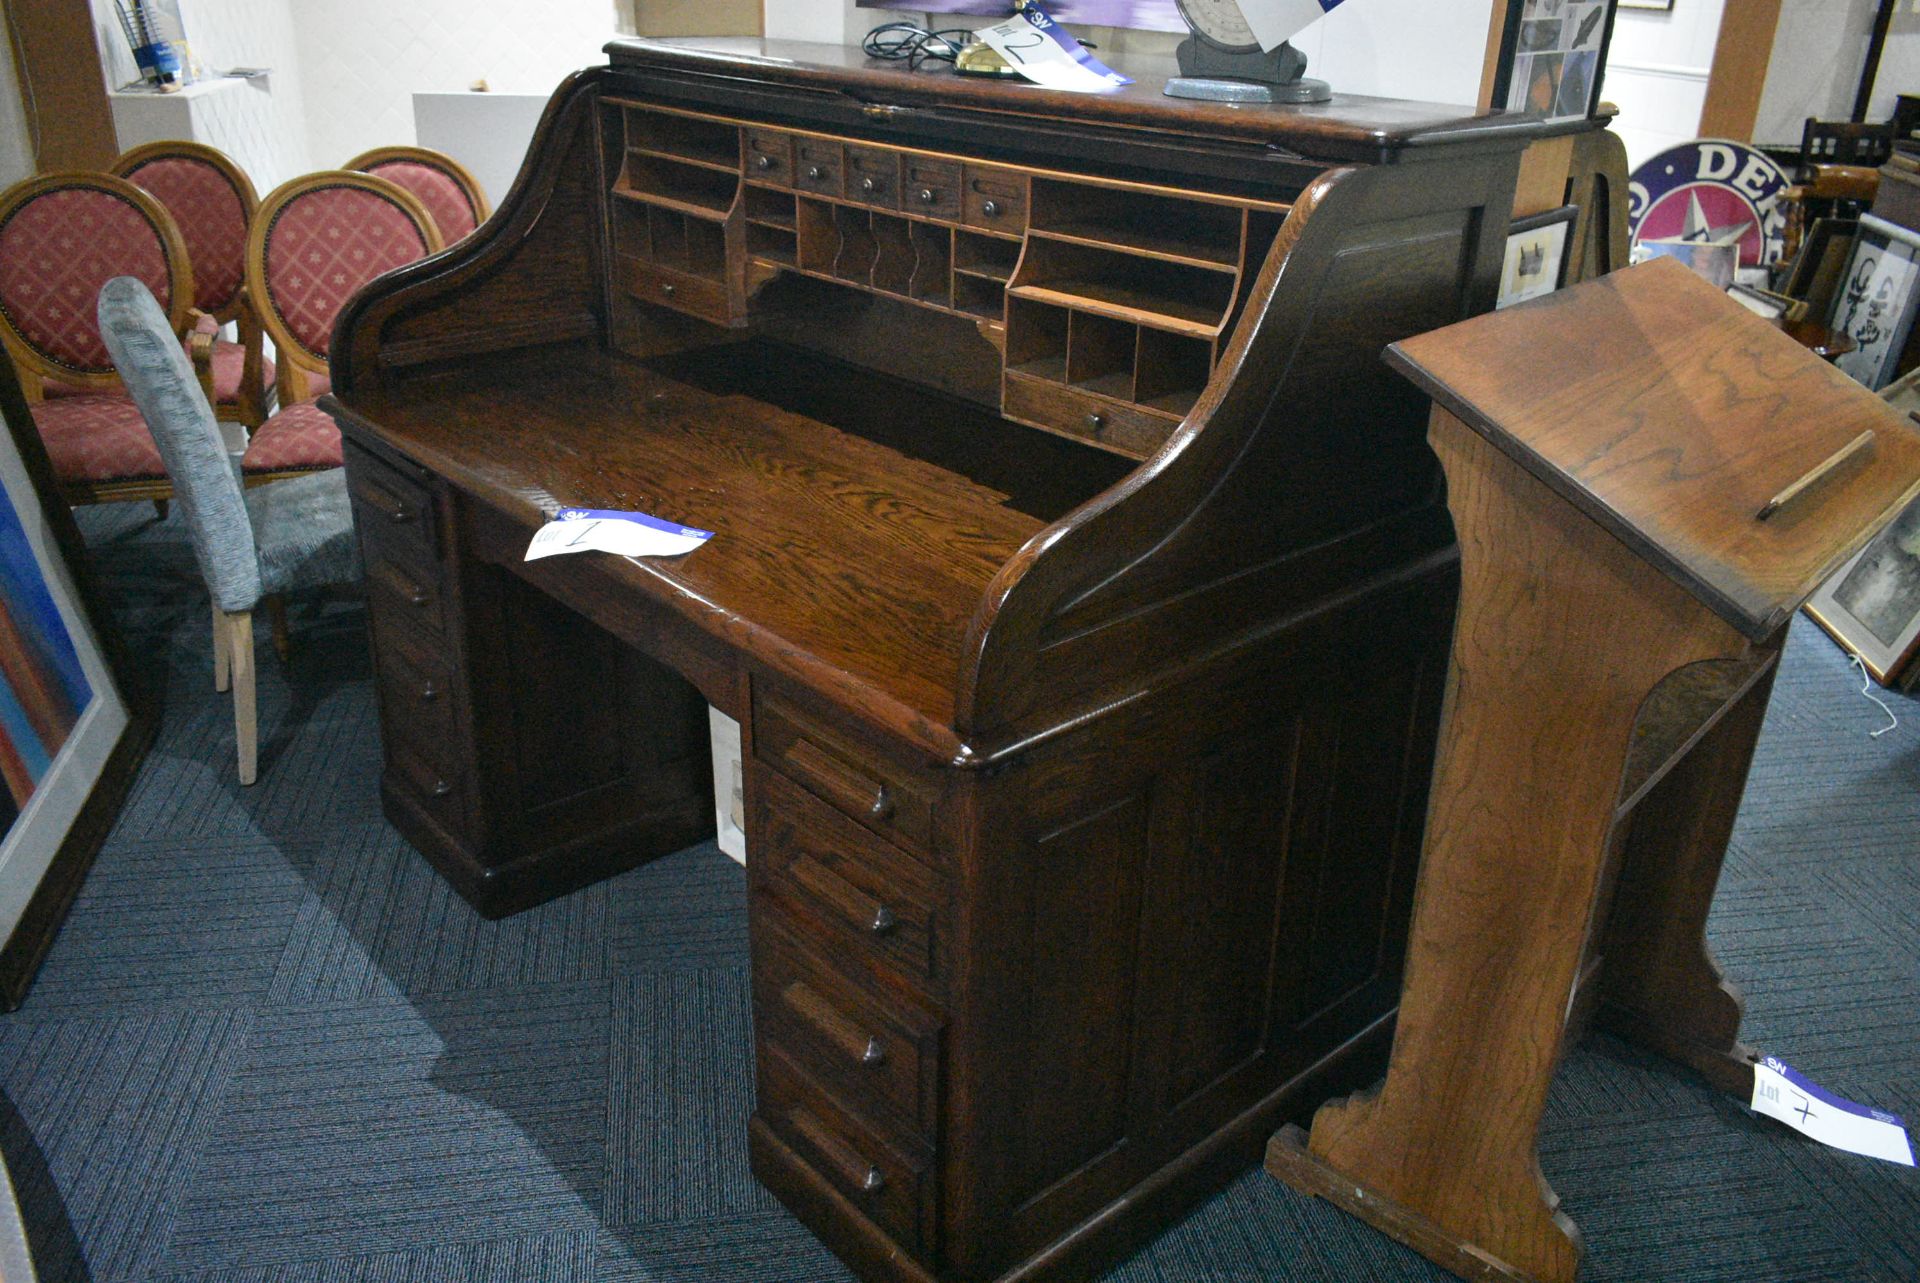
point(1081, 581)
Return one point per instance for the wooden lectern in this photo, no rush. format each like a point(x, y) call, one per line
point(1646, 481)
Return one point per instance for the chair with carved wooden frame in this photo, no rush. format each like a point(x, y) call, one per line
point(212, 201)
point(446, 187)
point(62, 237)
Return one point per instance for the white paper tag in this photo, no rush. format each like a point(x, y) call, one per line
point(625, 534)
point(1781, 1092)
point(1036, 46)
point(1274, 22)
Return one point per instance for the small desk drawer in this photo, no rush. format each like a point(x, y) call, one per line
point(770, 157)
point(930, 187)
point(387, 500)
point(885, 796)
point(994, 199)
point(694, 295)
point(881, 1054)
point(398, 589)
point(872, 901)
point(873, 177)
point(415, 699)
point(1119, 427)
point(817, 166)
point(432, 786)
point(893, 1186)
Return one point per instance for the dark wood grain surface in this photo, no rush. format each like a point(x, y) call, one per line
point(826, 544)
point(1335, 128)
point(1672, 415)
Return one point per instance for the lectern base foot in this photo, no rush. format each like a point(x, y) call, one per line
point(1290, 1162)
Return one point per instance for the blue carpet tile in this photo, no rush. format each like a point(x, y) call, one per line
point(272, 1046)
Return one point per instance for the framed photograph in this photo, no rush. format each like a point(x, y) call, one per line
point(1716, 264)
point(1872, 605)
point(1551, 56)
point(1536, 259)
point(1875, 301)
point(70, 739)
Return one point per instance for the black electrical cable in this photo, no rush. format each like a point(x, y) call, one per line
point(913, 44)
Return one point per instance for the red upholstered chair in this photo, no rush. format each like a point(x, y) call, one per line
point(212, 201)
point(446, 187)
point(314, 241)
point(62, 237)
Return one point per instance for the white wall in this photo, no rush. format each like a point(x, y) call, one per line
point(362, 60)
point(1657, 68)
point(1818, 50)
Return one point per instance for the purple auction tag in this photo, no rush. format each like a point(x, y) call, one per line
point(637, 518)
point(1780, 1091)
point(1041, 50)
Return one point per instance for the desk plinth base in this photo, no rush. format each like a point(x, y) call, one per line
point(1291, 1162)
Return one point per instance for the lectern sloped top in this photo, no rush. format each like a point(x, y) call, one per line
point(1715, 446)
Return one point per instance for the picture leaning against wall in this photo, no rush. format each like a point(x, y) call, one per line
point(68, 739)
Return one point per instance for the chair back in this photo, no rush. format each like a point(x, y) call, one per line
point(62, 237)
point(316, 240)
point(161, 382)
point(211, 200)
point(446, 187)
point(1845, 142)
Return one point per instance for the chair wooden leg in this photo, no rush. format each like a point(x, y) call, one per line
point(245, 725)
point(277, 618)
point(222, 650)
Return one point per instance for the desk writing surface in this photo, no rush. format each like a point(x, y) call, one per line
point(825, 543)
point(1677, 449)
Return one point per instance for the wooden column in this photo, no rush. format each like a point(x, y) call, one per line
point(1610, 452)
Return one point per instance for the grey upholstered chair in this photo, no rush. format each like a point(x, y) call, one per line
point(276, 538)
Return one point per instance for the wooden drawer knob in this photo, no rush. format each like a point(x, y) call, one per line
point(668, 289)
point(866, 184)
point(875, 1054)
point(1096, 423)
point(991, 209)
point(429, 692)
point(926, 195)
point(884, 921)
point(401, 516)
point(814, 172)
point(876, 1180)
point(441, 788)
point(763, 162)
point(882, 803)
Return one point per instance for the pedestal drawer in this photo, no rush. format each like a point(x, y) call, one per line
point(879, 1052)
point(886, 796)
point(893, 1187)
point(865, 900)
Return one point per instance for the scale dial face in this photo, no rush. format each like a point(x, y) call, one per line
point(1220, 23)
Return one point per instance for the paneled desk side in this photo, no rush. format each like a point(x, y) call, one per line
point(1084, 776)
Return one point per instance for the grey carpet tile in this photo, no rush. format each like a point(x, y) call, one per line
point(566, 1257)
point(1260, 1231)
point(166, 922)
point(766, 1247)
point(391, 1128)
point(679, 1100)
point(381, 925)
point(684, 910)
point(106, 1116)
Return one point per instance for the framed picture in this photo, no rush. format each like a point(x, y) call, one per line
point(1821, 262)
point(1536, 259)
point(70, 739)
point(1715, 264)
point(1551, 55)
point(1874, 304)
